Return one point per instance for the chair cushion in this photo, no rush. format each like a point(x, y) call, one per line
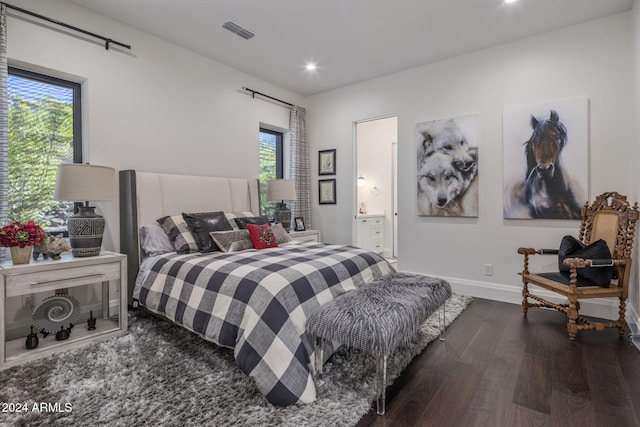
point(563, 278)
point(570, 247)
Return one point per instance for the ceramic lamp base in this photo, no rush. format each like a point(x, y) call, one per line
point(86, 229)
point(282, 215)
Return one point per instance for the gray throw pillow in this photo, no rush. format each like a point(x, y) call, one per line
point(281, 234)
point(232, 241)
point(154, 241)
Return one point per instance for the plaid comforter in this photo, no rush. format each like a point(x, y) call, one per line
point(257, 302)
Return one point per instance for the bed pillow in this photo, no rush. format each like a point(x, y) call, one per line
point(202, 224)
point(232, 241)
point(570, 247)
point(261, 236)
point(154, 241)
point(231, 216)
point(260, 219)
point(179, 234)
point(281, 234)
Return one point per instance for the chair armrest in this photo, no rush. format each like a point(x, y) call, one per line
point(549, 251)
point(583, 263)
point(531, 251)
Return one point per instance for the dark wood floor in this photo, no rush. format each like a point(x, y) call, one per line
point(498, 368)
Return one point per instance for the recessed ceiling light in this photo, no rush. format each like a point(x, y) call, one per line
point(311, 66)
point(510, 1)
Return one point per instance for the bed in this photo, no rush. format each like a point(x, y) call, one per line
point(253, 301)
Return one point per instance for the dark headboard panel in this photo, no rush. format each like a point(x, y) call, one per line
point(147, 196)
point(129, 237)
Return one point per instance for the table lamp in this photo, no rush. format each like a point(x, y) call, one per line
point(77, 182)
point(278, 191)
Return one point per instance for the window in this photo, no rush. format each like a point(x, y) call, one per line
point(270, 146)
point(44, 130)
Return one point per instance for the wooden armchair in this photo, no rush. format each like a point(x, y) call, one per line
point(612, 219)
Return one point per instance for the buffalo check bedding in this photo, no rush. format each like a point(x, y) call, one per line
point(257, 302)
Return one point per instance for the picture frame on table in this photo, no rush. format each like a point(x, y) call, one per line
point(327, 191)
point(299, 224)
point(327, 162)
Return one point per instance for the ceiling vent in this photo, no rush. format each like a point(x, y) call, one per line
point(237, 29)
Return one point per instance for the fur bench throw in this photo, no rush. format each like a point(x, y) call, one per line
point(379, 317)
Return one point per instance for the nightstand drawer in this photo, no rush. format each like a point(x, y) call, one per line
point(38, 281)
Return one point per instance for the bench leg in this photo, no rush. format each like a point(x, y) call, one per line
point(318, 356)
point(442, 321)
point(381, 380)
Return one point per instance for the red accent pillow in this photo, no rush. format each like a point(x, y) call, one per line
point(262, 236)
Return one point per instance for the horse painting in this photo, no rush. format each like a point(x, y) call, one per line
point(546, 190)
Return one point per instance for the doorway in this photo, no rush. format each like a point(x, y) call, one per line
point(375, 183)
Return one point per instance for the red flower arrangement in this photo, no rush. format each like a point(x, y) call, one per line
point(18, 234)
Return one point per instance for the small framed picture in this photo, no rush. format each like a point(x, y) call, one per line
point(299, 224)
point(327, 191)
point(327, 162)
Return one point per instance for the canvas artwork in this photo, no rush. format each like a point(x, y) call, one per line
point(545, 160)
point(447, 178)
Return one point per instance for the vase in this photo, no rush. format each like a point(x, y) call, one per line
point(85, 232)
point(21, 255)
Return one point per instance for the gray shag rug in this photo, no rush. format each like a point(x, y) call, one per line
point(162, 375)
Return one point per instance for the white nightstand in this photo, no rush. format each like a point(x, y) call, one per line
point(306, 236)
point(28, 283)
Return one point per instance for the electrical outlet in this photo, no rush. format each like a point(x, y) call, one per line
point(27, 301)
point(488, 269)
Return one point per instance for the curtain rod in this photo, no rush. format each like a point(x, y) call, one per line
point(107, 40)
point(255, 92)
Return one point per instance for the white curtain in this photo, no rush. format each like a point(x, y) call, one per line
point(4, 123)
point(299, 167)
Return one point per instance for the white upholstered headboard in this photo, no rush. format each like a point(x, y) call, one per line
point(147, 196)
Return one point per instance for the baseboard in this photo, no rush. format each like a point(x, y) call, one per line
point(603, 308)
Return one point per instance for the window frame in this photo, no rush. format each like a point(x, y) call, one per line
point(77, 102)
point(279, 150)
point(279, 146)
point(76, 89)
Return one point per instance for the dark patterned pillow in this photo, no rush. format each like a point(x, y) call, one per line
point(232, 241)
point(203, 223)
point(179, 234)
point(570, 247)
point(231, 216)
point(261, 236)
point(260, 219)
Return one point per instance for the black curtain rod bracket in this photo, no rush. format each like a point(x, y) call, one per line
point(107, 40)
point(255, 92)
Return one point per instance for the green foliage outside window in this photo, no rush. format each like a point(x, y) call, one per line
point(40, 137)
point(267, 154)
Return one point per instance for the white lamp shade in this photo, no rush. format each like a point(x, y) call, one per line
point(77, 182)
point(281, 189)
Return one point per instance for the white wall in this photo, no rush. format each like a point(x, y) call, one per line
point(634, 297)
point(591, 59)
point(162, 109)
